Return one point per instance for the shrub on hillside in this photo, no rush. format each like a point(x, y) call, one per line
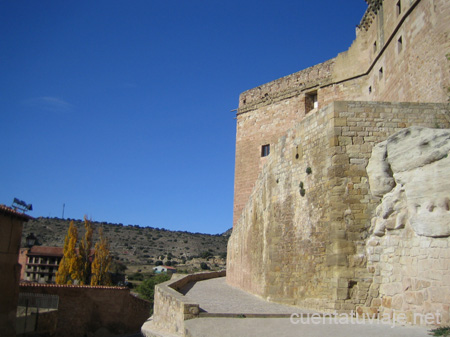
point(147, 289)
point(136, 277)
point(206, 254)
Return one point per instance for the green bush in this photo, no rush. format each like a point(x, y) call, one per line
point(147, 289)
point(136, 277)
point(206, 254)
point(441, 331)
point(117, 267)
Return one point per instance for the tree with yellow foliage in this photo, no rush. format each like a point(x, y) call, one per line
point(101, 263)
point(76, 267)
point(68, 270)
point(85, 252)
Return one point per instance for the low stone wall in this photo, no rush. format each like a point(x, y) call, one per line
point(171, 308)
point(105, 311)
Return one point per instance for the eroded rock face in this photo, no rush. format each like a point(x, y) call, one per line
point(411, 172)
point(379, 171)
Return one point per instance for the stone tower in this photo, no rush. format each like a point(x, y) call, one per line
point(303, 205)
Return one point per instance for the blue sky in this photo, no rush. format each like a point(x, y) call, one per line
point(121, 110)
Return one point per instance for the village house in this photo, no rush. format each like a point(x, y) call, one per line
point(164, 269)
point(10, 235)
point(40, 263)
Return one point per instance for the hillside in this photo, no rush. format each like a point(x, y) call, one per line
point(131, 244)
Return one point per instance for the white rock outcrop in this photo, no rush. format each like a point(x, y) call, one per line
point(411, 172)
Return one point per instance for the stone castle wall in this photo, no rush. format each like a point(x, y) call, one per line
point(410, 275)
point(399, 56)
point(302, 236)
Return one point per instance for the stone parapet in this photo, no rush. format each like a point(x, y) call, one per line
point(286, 87)
point(172, 308)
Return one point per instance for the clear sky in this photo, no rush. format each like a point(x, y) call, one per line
point(121, 110)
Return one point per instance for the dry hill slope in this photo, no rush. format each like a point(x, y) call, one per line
point(132, 244)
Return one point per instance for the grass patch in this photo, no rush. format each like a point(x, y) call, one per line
point(441, 331)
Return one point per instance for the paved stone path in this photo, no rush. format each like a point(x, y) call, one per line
point(282, 327)
point(216, 296)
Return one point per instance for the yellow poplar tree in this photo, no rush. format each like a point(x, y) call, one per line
point(85, 252)
point(101, 263)
point(68, 270)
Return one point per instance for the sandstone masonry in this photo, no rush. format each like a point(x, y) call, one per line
point(398, 56)
point(303, 230)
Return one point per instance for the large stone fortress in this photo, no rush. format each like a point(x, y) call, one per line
point(307, 230)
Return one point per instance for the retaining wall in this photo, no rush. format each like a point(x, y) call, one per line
point(172, 308)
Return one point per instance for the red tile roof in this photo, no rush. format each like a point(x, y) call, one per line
point(10, 211)
point(47, 285)
point(50, 251)
point(167, 267)
point(46, 251)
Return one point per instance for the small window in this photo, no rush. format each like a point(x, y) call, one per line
point(311, 101)
point(399, 7)
point(375, 47)
point(380, 73)
point(400, 44)
point(265, 150)
point(370, 89)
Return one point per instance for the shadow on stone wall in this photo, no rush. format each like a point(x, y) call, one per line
point(94, 311)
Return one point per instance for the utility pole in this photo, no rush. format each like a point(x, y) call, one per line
point(64, 206)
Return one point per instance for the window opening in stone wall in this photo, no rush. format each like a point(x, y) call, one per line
point(380, 73)
point(399, 44)
point(375, 47)
point(370, 89)
point(265, 150)
point(311, 101)
point(399, 7)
